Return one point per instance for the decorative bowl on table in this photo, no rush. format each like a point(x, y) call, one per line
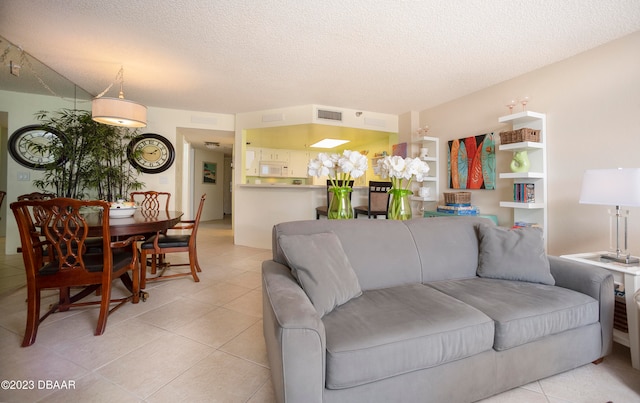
point(122, 209)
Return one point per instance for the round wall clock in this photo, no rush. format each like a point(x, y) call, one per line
point(32, 146)
point(151, 153)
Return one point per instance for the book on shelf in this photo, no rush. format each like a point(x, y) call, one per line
point(524, 192)
point(523, 224)
point(456, 207)
point(458, 210)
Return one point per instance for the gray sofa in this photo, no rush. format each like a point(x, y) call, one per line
point(419, 321)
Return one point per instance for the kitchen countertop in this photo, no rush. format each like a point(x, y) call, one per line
point(290, 186)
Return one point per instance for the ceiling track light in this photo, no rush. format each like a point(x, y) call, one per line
point(118, 111)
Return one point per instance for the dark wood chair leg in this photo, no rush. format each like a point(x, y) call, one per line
point(33, 317)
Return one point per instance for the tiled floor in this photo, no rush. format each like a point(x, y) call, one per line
point(202, 342)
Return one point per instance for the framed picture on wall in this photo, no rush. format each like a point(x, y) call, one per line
point(209, 170)
point(399, 149)
point(472, 162)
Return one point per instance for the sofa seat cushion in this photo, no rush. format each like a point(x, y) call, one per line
point(392, 331)
point(523, 311)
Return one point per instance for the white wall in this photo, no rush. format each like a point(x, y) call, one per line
point(592, 102)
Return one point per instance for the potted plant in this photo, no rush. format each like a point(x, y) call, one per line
point(94, 158)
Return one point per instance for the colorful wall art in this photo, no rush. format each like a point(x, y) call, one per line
point(399, 149)
point(472, 162)
point(209, 172)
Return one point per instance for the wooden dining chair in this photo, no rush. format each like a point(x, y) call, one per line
point(162, 243)
point(324, 210)
point(64, 232)
point(151, 200)
point(35, 216)
point(378, 202)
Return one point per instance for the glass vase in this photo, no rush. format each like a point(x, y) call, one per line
point(340, 205)
point(399, 205)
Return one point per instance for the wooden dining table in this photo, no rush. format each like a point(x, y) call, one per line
point(142, 222)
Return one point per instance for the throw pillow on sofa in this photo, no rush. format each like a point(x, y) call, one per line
point(322, 268)
point(513, 254)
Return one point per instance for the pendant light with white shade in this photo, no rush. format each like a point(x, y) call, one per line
point(118, 111)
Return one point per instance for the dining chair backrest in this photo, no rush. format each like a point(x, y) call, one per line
point(379, 195)
point(64, 232)
point(151, 200)
point(55, 255)
point(36, 212)
point(196, 220)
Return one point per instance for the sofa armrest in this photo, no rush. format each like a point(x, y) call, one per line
point(593, 281)
point(294, 336)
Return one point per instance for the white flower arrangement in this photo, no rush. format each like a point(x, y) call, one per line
point(398, 169)
point(351, 164)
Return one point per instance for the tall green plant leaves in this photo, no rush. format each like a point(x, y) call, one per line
point(96, 153)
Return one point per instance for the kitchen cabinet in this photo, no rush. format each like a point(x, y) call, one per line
point(274, 154)
point(298, 163)
point(251, 161)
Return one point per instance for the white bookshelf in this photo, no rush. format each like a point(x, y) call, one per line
point(433, 181)
point(535, 212)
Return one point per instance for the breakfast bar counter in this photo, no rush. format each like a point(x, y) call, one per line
point(263, 205)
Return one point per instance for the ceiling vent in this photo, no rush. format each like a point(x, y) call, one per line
point(329, 115)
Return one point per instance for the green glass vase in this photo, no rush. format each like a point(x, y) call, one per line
point(340, 205)
point(399, 204)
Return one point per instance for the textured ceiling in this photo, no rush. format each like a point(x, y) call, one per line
point(230, 56)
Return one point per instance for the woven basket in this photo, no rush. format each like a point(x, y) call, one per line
point(517, 136)
point(457, 198)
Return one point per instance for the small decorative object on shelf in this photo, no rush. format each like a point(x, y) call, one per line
point(340, 169)
point(520, 162)
point(398, 169)
point(424, 153)
point(519, 135)
point(422, 131)
point(524, 101)
point(457, 198)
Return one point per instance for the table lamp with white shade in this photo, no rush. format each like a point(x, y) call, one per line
point(614, 187)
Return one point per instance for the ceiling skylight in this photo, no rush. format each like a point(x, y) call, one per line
point(329, 143)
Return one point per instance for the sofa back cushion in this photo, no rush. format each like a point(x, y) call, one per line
point(447, 246)
point(319, 263)
point(513, 254)
point(382, 252)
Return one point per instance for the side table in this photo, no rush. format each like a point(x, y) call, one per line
point(629, 278)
